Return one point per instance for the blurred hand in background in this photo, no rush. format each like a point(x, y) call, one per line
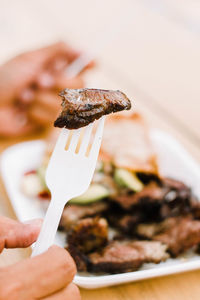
point(46, 276)
point(29, 87)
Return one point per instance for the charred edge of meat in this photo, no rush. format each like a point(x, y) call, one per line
point(89, 234)
point(197, 250)
point(110, 268)
point(79, 257)
point(75, 115)
point(123, 220)
point(195, 207)
point(178, 194)
point(146, 178)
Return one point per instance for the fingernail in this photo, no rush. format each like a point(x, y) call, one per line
point(26, 96)
point(45, 80)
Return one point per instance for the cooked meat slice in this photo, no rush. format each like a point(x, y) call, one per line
point(153, 252)
point(195, 207)
point(126, 223)
point(150, 193)
point(169, 190)
point(73, 213)
point(182, 233)
point(115, 258)
point(126, 256)
point(178, 194)
point(137, 153)
point(160, 200)
point(88, 234)
point(149, 230)
point(179, 200)
point(176, 185)
point(82, 106)
point(79, 257)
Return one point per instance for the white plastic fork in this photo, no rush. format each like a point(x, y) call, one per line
point(68, 175)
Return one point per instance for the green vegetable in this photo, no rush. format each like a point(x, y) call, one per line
point(41, 171)
point(95, 193)
point(128, 179)
point(99, 166)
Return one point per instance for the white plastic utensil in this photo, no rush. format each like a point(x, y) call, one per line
point(78, 65)
point(68, 175)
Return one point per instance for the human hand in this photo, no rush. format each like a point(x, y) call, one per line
point(29, 86)
point(47, 276)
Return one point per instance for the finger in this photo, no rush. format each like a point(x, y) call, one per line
point(58, 56)
point(61, 82)
point(14, 122)
point(68, 51)
point(26, 97)
point(42, 117)
point(90, 65)
point(45, 80)
point(47, 273)
point(45, 108)
point(59, 64)
point(71, 292)
point(55, 75)
point(22, 70)
point(48, 100)
point(14, 234)
point(55, 50)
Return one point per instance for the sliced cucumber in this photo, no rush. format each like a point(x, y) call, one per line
point(99, 166)
point(128, 179)
point(95, 193)
point(41, 174)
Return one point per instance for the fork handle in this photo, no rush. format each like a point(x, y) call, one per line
point(49, 227)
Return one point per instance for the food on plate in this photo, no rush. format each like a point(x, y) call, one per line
point(94, 193)
point(130, 214)
point(73, 213)
point(125, 256)
point(178, 233)
point(183, 233)
point(128, 179)
point(154, 193)
point(121, 256)
point(82, 106)
point(89, 234)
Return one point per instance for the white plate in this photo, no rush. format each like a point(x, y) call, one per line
point(174, 161)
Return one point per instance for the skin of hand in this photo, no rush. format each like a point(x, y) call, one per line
point(46, 276)
point(29, 87)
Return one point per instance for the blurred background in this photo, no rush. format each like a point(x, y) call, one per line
point(148, 48)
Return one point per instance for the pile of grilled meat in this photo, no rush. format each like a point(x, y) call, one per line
point(127, 229)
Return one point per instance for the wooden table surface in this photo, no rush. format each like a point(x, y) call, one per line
point(153, 57)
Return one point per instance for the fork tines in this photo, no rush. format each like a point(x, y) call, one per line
point(83, 141)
